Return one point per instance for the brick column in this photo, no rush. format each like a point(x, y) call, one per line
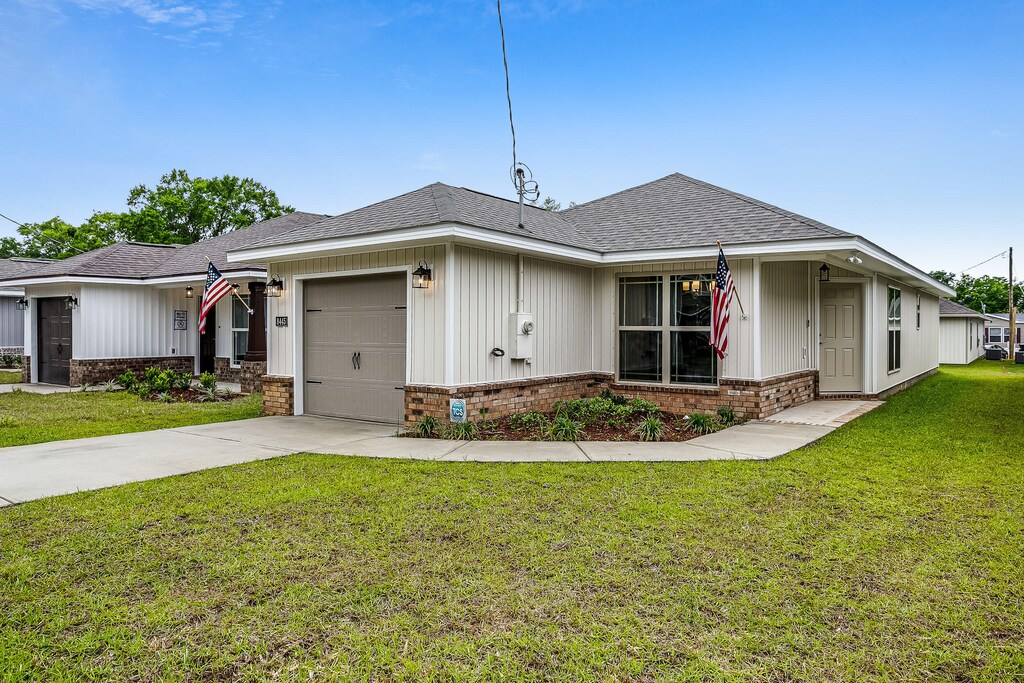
point(278, 395)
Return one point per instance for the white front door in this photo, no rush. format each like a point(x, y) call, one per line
point(842, 339)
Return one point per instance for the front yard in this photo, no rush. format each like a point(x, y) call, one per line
point(891, 549)
point(27, 418)
point(10, 376)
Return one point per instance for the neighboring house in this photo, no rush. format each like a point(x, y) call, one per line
point(12, 319)
point(961, 332)
point(131, 305)
point(997, 329)
point(611, 294)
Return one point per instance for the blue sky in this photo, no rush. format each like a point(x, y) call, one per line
point(903, 122)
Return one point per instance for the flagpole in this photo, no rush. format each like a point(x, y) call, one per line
point(735, 294)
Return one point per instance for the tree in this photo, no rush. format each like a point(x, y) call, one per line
point(58, 239)
point(986, 293)
point(944, 276)
point(183, 210)
point(550, 204)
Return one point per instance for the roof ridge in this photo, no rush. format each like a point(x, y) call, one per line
point(615, 194)
point(444, 203)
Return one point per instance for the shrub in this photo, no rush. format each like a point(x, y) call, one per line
point(426, 426)
point(640, 406)
point(460, 431)
point(127, 380)
point(726, 415)
point(614, 398)
point(165, 397)
point(650, 429)
point(527, 421)
point(704, 423)
point(206, 395)
point(110, 386)
point(591, 410)
point(564, 429)
point(208, 380)
point(10, 361)
point(181, 380)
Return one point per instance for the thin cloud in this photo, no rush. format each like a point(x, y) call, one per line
point(190, 17)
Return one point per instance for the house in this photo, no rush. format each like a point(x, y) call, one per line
point(390, 311)
point(12, 320)
point(130, 305)
point(997, 329)
point(961, 333)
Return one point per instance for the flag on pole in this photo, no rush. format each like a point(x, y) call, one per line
point(721, 297)
point(216, 289)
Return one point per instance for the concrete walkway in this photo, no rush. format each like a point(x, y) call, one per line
point(55, 468)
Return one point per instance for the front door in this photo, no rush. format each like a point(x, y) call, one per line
point(54, 341)
point(208, 343)
point(842, 339)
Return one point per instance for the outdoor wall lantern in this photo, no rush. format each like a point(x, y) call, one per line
point(235, 287)
point(71, 302)
point(275, 286)
point(22, 304)
point(823, 273)
point(421, 276)
point(190, 293)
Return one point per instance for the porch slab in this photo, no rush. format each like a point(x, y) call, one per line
point(824, 412)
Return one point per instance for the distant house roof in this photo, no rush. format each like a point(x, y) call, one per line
point(674, 211)
point(953, 309)
point(143, 261)
point(1004, 317)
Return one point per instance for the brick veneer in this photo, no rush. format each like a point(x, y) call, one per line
point(225, 373)
point(749, 398)
point(26, 369)
point(96, 370)
point(250, 373)
point(278, 395)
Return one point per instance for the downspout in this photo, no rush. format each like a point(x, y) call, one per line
point(520, 296)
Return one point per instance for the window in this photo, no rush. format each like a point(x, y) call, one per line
point(918, 311)
point(664, 329)
point(239, 328)
point(995, 334)
point(895, 322)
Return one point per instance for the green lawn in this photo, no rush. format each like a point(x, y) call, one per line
point(34, 418)
point(10, 376)
point(891, 550)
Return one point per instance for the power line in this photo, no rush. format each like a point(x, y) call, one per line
point(964, 271)
point(508, 92)
point(65, 245)
point(20, 225)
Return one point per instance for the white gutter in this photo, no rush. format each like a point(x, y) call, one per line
point(92, 279)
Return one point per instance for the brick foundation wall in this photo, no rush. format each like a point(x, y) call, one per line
point(225, 373)
point(26, 369)
point(97, 370)
point(278, 395)
point(501, 398)
point(750, 399)
point(250, 373)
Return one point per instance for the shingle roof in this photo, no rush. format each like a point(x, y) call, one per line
point(947, 307)
point(434, 204)
point(11, 267)
point(672, 212)
point(141, 261)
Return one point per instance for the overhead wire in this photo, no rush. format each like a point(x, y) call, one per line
point(508, 91)
point(964, 271)
point(46, 237)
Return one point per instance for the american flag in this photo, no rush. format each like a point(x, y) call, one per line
point(721, 297)
point(216, 289)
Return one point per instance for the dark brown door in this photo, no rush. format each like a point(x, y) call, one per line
point(54, 341)
point(208, 342)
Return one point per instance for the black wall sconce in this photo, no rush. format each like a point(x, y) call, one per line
point(421, 276)
point(275, 286)
point(190, 292)
point(823, 273)
point(71, 302)
point(22, 304)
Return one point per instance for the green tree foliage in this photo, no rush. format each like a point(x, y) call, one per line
point(178, 210)
point(978, 293)
point(551, 204)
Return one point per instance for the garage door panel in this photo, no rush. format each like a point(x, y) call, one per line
point(364, 315)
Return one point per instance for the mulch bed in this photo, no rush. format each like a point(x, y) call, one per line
point(191, 396)
point(673, 429)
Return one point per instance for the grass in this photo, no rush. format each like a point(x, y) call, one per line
point(27, 418)
point(10, 376)
point(890, 550)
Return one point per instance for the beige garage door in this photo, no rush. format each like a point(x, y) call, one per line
point(354, 357)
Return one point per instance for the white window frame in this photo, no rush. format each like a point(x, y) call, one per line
point(234, 300)
point(666, 328)
point(894, 323)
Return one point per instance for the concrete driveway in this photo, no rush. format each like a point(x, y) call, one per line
point(58, 467)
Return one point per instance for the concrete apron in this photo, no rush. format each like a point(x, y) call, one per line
point(55, 468)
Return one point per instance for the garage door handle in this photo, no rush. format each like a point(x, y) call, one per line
point(355, 360)
point(314, 310)
point(313, 381)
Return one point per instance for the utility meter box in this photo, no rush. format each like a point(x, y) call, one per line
point(522, 336)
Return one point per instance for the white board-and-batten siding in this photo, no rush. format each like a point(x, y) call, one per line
point(12, 322)
point(786, 299)
point(960, 340)
point(425, 312)
point(919, 346)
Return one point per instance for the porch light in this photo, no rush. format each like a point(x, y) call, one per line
point(275, 286)
point(421, 276)
point(234, 288)
point(190, 293)
point(855, 258)
point(685, 285)
point(22, 304)
point(823, 275)
point(71, 302)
